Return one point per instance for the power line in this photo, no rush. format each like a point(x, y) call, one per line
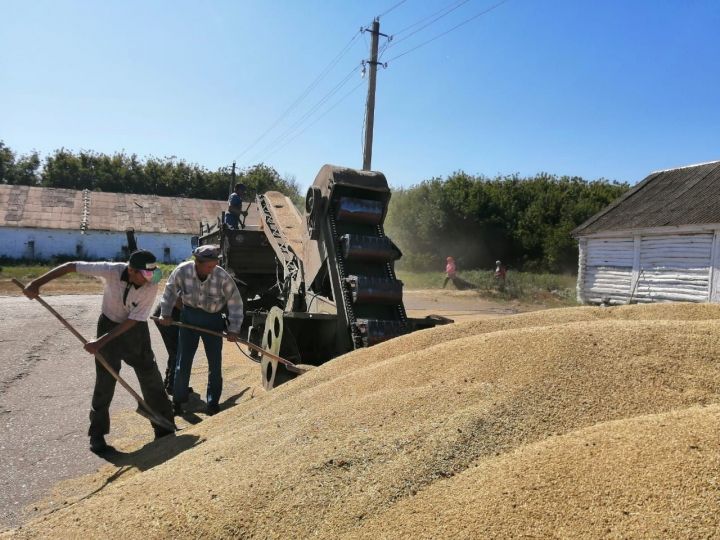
point(450, 30)
point(319, 118)
point(401, 2)
point(385, 47)
point(308, 114)
point(302, 96)
point(447, 9)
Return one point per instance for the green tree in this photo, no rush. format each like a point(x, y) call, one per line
point(23, 170)
point(261, 178)
point(526, 222)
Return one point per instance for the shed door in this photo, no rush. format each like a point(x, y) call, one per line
point(674, 267)
point(608, 270)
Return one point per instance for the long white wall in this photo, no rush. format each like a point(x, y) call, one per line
point(43, 244)
point(650, 266)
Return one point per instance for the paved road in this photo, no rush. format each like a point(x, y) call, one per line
point(46, 382)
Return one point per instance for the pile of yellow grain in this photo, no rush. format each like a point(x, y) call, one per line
point(576, 422)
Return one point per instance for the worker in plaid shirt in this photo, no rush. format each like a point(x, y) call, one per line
point(205, 289)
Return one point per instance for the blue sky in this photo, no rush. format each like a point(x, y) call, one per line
point(612, 89)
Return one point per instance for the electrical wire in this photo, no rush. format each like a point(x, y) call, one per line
point(450, 8)
point(383, 48)
point(304, 94)
point(401, 2)
point(449, 30)
point(354, 89)
point(287, 133)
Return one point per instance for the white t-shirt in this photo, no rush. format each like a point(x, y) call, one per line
point(121, 299)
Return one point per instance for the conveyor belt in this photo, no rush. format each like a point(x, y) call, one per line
point(371, 293)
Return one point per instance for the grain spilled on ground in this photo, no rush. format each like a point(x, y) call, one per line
point(580, 422)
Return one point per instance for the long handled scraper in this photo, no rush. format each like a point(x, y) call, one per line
point(143, 408)
point(288, 364)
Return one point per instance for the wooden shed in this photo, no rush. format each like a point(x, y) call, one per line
point(659, 242)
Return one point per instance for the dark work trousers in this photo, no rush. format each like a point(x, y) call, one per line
point(170, 338)
point(447, 278)
point(189, 340)
point(134, 347)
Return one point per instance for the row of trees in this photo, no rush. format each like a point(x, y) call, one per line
point(525, 222)
point(123, 173)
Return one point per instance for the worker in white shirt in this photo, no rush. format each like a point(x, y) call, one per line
point(122, 334)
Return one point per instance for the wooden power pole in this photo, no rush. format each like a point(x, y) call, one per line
point(370, 105)
point(232, 179)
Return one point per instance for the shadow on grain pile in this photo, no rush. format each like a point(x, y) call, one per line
point(577, 422)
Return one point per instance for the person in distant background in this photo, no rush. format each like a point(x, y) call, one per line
point(500, 273)
point(232, 217)
point(450, 270)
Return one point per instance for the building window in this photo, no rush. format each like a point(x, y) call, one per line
point(166, 255)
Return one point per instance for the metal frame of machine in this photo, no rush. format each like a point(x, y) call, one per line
point(319, 285)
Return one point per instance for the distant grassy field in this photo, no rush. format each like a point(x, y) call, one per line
point(68, 284)
point(523, 286)
point(552, 289)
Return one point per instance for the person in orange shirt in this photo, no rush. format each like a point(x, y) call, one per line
point(450, 270)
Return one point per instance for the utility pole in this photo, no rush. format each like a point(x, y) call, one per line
point(370, 105)
point(232, 179)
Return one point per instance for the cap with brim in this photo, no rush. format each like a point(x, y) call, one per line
point(209, 252)
point(142, 260)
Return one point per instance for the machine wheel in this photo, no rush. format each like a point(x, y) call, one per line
point(273, 372)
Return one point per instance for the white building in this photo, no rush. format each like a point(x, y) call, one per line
point(42, 223)
point(658, 242)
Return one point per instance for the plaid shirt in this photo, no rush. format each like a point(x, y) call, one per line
point(210, 295)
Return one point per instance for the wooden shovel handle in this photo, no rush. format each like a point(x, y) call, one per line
point(155, 417)
point(292, 367)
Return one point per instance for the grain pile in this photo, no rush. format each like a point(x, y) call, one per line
point(576, 422)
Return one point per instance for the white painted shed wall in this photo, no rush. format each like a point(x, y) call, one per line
point(652, 266)
point(43, 244)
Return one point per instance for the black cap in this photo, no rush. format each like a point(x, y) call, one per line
point(142, 260)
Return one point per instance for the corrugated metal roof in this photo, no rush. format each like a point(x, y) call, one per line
point(683, 196)
point(23, 206)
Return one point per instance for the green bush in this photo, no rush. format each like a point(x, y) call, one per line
point(525, 222)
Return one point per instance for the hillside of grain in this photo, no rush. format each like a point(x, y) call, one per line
point(574, 422)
